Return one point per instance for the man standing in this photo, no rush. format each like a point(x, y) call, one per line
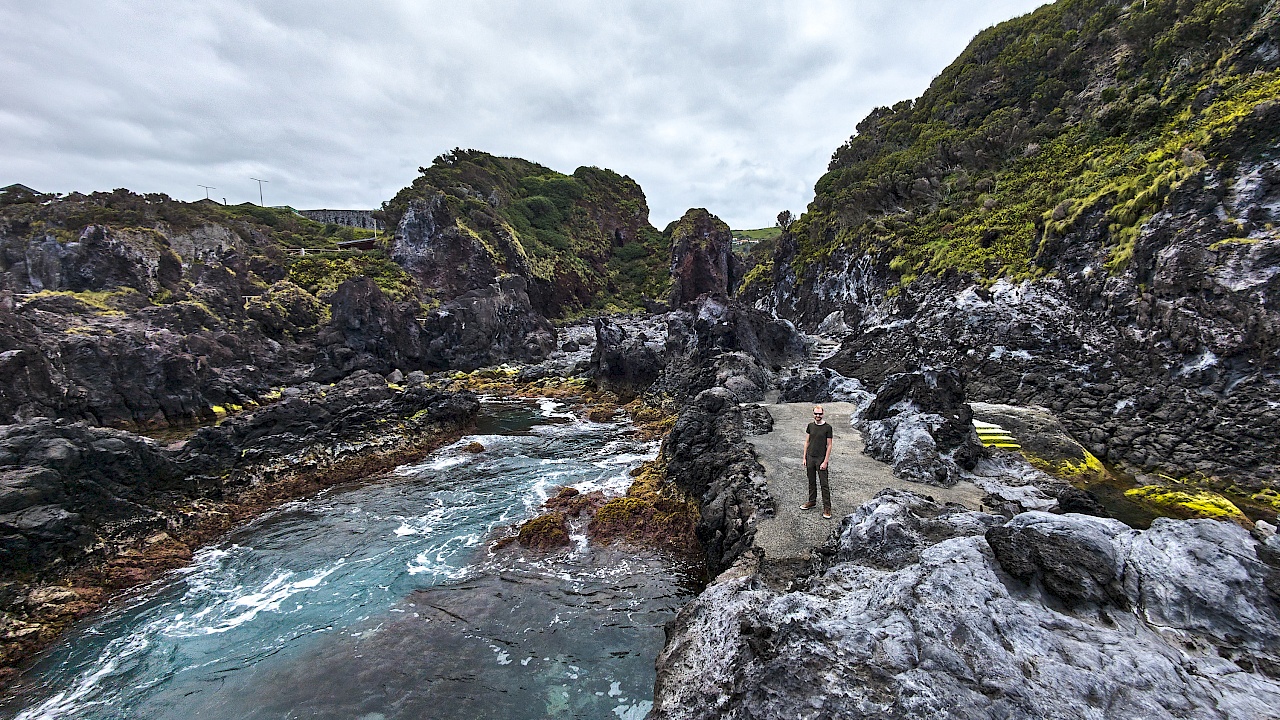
point(817, 454)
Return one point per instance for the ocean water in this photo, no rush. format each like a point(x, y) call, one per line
point(385, 600)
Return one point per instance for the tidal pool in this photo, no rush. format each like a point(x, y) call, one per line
point(384, 600)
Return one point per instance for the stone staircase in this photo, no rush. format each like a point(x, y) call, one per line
point(820, 348)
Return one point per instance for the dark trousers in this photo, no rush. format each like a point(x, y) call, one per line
point(816, 474)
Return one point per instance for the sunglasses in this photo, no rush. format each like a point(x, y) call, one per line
point(817, 414)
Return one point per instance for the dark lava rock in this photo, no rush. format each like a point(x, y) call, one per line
point(430, 246)
point(100, 258)
point(710, 343)
point(487, 326)
point(623, 361)
point(368, 331)
point(919, 422)
point(1074, 558)
point(726, 344)
point(482, 327)
point(357, 409)
point(708, 456)
point(69, 490)
point(61, 484)
point(702, 260)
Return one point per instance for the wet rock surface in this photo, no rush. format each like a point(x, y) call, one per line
point(919, 614)
point(102, 508)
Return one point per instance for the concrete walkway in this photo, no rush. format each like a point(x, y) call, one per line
point(788, 536)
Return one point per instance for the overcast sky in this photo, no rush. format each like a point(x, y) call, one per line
point(734, 106)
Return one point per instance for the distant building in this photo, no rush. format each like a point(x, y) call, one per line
point(365, 244)
point(362, 219)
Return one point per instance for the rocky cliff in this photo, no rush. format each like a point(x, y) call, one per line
point(1080, 214)
point(579, 241)
point(702, 259)
point(140, 311)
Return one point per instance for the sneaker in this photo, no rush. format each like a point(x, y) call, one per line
point(808, 506)
point(827, 513)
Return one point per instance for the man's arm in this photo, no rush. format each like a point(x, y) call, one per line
point(804, 454)
point(826, 459)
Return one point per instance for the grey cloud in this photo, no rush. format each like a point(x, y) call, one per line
point(732, 106)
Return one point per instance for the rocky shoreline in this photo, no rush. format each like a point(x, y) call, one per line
point(1053, 278)
point(917, 609)
point(92, 511)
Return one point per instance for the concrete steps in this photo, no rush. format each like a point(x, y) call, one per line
point(993, 435)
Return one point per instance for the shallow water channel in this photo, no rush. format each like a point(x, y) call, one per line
point(383, 600)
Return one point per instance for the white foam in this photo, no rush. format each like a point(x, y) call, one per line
point(550, 409)
point(639, 711)
point(1203, 361)
point(248, 606)
point(424, 525)
point(68, 702)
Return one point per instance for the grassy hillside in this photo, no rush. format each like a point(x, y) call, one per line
point(266, 236)
point(758, 234)
point(1082, 111)
point(586, 236)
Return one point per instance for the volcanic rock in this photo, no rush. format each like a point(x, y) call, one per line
point(918, 617)
point(920, 423)
point(702, 260)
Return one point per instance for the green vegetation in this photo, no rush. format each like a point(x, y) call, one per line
point(1189, 503)
point(585, 237)
point(545, 532)
point(758, 234)
point(321, 273)
point(1082, 112)
point(286, 307)
point(121, 209)
point(101, 302)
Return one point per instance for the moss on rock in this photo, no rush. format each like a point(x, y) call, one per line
point(545, 532)
point(652, 513)
point(1188, 503)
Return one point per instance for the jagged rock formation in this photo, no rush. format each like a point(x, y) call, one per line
point(710, 343)
point(702, 259)
point(925, 610)
point(482, 327)
point(579, 241)
point(69, 490)
point(920, 423)
point(627, 360)
point(1075, 238)
point(707, 456)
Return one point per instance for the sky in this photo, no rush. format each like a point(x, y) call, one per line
point(733, 106)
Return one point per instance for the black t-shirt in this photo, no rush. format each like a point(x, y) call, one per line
point(818, 436)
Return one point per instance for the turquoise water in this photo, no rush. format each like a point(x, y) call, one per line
point(384, 600)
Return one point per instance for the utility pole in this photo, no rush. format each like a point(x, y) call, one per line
point(260, 203)
point(207, 188)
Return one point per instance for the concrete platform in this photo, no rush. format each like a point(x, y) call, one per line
point(788, 537)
